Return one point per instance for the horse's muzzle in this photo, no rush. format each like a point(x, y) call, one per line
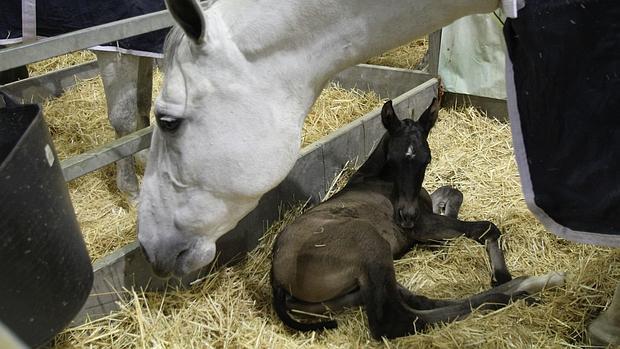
point(164, 265)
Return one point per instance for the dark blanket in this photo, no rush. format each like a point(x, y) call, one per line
point(56, 17)
point(565, 79)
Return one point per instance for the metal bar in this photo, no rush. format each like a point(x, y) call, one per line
point(94, 159)
point(32, 52)
point(39, 88)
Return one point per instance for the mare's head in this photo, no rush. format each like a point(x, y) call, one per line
point(407, 154)
point(226, 135)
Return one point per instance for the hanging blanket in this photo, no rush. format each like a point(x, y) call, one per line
point(55, 17)
point(563, 77)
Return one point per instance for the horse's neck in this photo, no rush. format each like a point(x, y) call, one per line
point(327, 36)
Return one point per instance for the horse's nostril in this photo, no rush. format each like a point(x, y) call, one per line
point(182, 253)
point(161, 271)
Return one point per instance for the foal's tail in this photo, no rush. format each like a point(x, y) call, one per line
point(279, 304)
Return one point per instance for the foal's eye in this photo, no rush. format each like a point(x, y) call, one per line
point(168, 123)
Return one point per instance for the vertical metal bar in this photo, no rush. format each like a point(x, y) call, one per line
point(29, 20)
point(434, 45)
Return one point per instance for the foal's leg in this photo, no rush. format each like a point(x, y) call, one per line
point(388, 313)
point(605, 329)
point(127, 82)
point(447, 201)
point(493, 298)
point(436, 227)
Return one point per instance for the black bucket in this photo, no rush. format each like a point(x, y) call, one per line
point(45, 271)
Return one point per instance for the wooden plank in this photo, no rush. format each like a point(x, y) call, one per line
point(387, 82)
point(434, 48)
point(410, 104)
point(342, 146)
point(94, 159)
point(38, 88)
point(414, 103)
point(126, 267)
point(491, 107)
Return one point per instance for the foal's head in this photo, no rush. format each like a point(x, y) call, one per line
point(407, 154)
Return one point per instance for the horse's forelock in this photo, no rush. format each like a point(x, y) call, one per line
point(173, 39)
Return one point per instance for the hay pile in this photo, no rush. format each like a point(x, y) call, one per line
point(408, 56)
point(60, 62)
point(231, 307)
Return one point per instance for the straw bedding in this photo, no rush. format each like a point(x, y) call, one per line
point(231, 307)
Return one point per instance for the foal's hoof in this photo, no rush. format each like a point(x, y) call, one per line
point(527, 298)
point(447, 201)
point(535, 284)
point(604, 331)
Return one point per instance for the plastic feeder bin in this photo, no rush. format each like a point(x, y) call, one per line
point(45, 271)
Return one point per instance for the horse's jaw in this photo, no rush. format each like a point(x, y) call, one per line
point(172, 252)
point(178, 235)
point(197, 187)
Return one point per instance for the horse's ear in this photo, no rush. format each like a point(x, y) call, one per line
point(429, 117)
point(389, 119)
point(188, 14)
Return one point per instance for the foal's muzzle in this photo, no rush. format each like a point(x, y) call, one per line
point(406, 218)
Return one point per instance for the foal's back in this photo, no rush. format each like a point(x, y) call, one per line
point(320, 254)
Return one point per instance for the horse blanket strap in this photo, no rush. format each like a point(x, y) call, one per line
point(563, 82)
point(29, 20)
point(510, 7)
point(55, 17)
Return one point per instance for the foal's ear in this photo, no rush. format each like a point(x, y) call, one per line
point(429, 117)
point(389, 119)
point(188, 14)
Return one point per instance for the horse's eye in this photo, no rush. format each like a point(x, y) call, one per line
point(168, 124)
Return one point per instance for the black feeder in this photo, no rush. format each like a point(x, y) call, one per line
point(45, 271)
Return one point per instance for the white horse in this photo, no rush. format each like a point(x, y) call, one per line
point(239, 80)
